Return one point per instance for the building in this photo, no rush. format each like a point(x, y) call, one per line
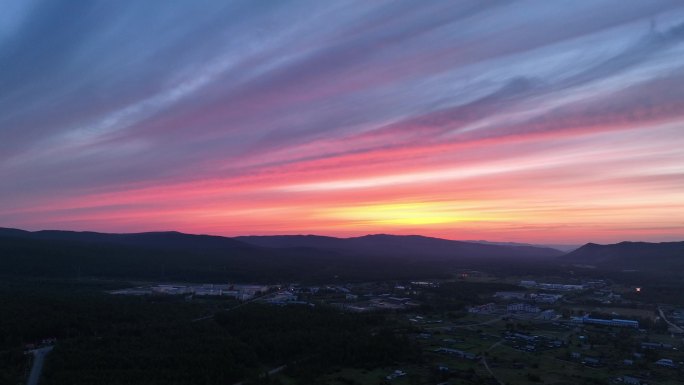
point(230, 293)
point(606, 322)
point(560, 286)
point(282, 298)
point(548, 314)
point(522, 308)
point(457, 353)
point(655, 346)
point(631, 380)
point(546, 298)
point(510, 295)
point(483, 309)
point(666, 363)
point(172, 289)
point(396, 374)
point(592, 361)
point(251, 290)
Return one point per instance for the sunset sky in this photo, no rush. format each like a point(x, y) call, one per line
point(529, 121)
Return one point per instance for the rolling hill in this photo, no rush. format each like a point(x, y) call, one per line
point(403, 246)
point(630, 256)
point(178, 256)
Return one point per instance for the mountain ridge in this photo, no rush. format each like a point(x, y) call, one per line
point(374, 256)
point(179, 256)
point(630, 255)
point(374, 244)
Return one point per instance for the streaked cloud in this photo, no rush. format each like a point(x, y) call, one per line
point(470, 120)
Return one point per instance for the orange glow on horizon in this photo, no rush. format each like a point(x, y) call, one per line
point(502, 122)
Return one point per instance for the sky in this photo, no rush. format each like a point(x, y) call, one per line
point(528, 121)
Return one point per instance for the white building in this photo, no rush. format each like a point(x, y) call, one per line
point(522, 308)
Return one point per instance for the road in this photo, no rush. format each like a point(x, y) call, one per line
point(486, 365)
point(673, 327)
point(38, 360)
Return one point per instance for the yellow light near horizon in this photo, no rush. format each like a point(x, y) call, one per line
point(416, 214)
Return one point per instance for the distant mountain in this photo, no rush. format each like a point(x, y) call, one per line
point(177, 256)
point(630, 256)
point(280, 241)
point(162, 240)
point(166, 257)
point(563, 248)
point(403, 246)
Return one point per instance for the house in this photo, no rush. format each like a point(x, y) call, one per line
point(592, 361)
point(395, 374)
point(560, 287)
point(625, 323)
point(655, 346)
point(483, 309)
point(631, 380)
point(548, 314)
point(341, 289)
point(666, 363)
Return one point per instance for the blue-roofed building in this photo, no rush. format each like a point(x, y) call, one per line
point(625, 323)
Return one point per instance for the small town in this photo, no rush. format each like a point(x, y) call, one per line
point(591, 330)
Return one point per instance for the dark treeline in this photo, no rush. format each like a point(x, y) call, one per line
point(457, 295)
point(33, 310)
point(238, 345)
point(314, 340)
point(107, 339)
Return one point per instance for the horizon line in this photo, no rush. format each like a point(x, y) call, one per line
point(514, 243)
